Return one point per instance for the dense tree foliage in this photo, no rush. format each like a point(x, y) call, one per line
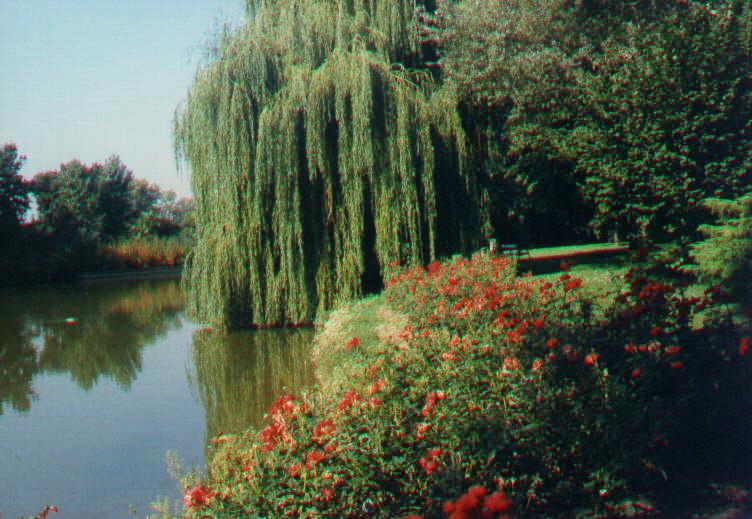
point(98, 203)
point(630, 113)
point(83, 213)
point(320, 152)
point(90, 202)
point(14, 198)
point(159, 213)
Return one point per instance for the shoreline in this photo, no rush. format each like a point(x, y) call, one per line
point(129, 274)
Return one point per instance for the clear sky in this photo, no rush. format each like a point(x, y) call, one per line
point(88, 79)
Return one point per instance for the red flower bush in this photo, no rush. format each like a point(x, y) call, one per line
point(475, 503)
point(197, 496)
point(561, 403)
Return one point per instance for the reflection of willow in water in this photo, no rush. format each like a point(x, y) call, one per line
point(112, 324)
point(18, 363)
point(239, 374)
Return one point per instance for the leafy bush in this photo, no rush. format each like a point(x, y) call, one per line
point(502, 394)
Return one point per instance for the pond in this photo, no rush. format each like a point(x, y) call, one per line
point(98, 382)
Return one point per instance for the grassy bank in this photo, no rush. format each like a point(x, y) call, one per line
point(468, 391)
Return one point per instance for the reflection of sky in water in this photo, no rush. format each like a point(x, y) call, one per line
point(89, 410)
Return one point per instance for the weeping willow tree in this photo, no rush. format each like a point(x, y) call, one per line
point(321, 151)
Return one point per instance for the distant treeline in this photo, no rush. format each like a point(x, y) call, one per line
point(85, 217)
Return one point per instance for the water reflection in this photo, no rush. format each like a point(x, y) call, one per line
point(18, 363)
point(238, 375)
point(109, 407)
point(88, 332)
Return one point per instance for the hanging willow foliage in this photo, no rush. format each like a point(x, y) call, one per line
point(321, 152)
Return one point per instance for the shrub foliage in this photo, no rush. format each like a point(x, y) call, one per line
point(503, 394)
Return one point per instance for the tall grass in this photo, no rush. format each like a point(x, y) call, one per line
point(143, 252)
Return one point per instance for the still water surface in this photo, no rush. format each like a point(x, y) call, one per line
point(89, 408)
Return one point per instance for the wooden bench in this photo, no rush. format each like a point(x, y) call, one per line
point(513, 250)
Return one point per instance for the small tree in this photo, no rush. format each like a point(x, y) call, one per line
point(92, 203)
point(725, 256)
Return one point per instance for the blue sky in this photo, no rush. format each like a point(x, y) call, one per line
point(90, 78)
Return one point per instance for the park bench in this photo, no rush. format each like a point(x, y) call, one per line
point(509, 249)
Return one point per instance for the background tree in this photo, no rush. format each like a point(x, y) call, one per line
point(90, 203)
point(159, 213)
point(14, 197)
point(630, 112)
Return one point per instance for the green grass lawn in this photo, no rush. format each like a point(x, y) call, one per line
point(572, 249)
point(602, 281)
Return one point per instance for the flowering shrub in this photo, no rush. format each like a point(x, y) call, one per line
point(504, 395)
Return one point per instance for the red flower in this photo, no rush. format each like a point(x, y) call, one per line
point(564, 265)
point(355, 341)
point(743, 346)
point(330, 447)
point(551, 343)
point(498, 502)
point(636, 373)
point(421, 429)
point(477, 491)
point(572, 284)
point(314, 457)
point(434, 452)
point(677, 365)
point(284, 404)
point(673, 350)
point(377, 386)
point(196, 496)
point(328, 494)
point(511, 364)
point(324, 428)
point(590, 359)
point(428, 465)
point(656, 330)
point(374, 401)
point(349, 398)
point(538, 323)
point(447, 356)
point(294, 469)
